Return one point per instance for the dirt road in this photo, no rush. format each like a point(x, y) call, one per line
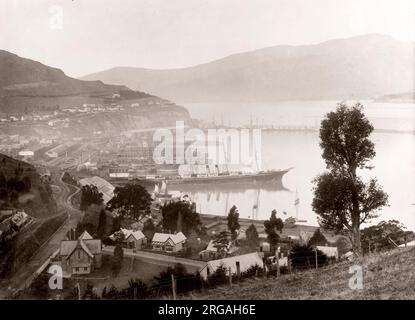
point(21, 278)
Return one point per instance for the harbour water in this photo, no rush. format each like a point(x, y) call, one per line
point(394, 164)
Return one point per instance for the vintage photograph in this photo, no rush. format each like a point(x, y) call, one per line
point(207, 150)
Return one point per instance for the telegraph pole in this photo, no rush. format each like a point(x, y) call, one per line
point(173, 286)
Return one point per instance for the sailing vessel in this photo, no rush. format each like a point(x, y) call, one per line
point(210, 173)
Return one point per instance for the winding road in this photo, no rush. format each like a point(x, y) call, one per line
point(22, 278)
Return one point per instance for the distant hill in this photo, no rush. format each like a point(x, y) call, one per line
point(27, 85)
point(359, 67)
point(398, 97)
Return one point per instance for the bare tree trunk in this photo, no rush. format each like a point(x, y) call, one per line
point(179, 222)
point(357, 246)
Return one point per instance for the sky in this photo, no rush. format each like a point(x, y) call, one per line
point(85, 36)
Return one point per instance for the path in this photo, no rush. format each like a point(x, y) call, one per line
point(23, 276)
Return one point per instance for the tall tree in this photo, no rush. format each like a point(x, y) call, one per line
point(180, 216)
point(90, 195)
point(341, 199)
point(3, 180)
point(277, 223)
point(233, 221)
point(131, 200)
point(317, 239)
point(117, 259)
point(102, 224)
point(252, 235)
point(273, 225)
point(149, 229)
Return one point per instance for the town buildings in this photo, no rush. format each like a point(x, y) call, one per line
point(132, 239)
point(236, 264)
point(168, 242)
point(81, 256)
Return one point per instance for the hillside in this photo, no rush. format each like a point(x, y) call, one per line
point(27, 85)
point(360, 67)
point(389, 275)
point(36, 199)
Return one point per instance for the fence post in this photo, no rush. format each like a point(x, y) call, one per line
point(238, 269)
point(173, 286)
point(230, 277)
point(79, 290)
point(277, 257)
point(315, 250)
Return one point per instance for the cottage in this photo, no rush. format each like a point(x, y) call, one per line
point(20, 219)
point(331, 252)
point(242, 262)
point(80, 256)
point(211, 251)
point(132, 239)
point(168, 242)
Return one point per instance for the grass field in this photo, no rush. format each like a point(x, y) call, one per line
point(389, 275)
point(104, 276)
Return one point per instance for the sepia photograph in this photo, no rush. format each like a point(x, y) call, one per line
point(207, 150)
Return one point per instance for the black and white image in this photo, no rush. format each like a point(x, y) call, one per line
point(207, 150)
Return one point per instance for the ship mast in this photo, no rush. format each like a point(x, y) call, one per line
point(296, 203)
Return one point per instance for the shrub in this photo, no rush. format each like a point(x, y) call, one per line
point(304, 256)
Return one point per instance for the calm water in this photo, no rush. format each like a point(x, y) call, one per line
point(394, 162)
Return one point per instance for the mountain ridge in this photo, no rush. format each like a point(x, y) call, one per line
point(28, 84)
point(335, 69)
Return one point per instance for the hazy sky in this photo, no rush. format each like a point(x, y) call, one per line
point(100, 34)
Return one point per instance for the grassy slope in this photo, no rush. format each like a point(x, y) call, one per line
point(389, 275)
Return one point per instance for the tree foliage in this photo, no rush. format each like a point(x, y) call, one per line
point(317, 239)
point(341, 198)
point(221, 243)
point(149, 229)
point(131, 200)
point(117, 259)
point(180, 216)
point(383, 236)
point(273, 225)
point(137, 289)
point(184, 281)
point(233, 221)
point(304, 256)
point(90, 195)
point(219, 276)
point(102, 224)
point(252, 235)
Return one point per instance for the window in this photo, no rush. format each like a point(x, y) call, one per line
point(79, 254)
point(76, 269)
point(85, 268)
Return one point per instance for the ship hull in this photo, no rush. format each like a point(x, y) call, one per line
point(256, 179)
